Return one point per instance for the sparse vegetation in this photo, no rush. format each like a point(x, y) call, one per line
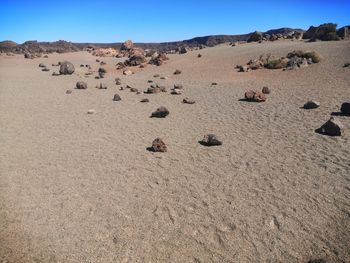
point(276, 64)
point(315, 57)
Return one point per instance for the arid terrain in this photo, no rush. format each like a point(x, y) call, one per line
point(78, 187)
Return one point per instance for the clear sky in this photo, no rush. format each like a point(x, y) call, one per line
point(158, 20)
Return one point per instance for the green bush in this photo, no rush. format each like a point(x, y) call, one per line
point(315, 57)
point(276, 64)
point(331, 36)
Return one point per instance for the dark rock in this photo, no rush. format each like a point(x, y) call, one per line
point(69, 91)
point(66, 68)
point(210, 140)
point(255, 96)
point(81, 85)
point(144, 100)
point(118, 81)
point(161, 112)
point(102, 86)
point(266, 90)
point(345, 108)
point(116, 97)
point(311, 105)
point(332, 127)
point(42, 65)
point(177, 72)
point(45, 69)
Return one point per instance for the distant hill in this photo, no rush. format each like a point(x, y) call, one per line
point(7, 44)
point(64, 46)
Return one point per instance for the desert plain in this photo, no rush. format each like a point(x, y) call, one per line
point(78, 187)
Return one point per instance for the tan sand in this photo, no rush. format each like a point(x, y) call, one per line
point(76, 187)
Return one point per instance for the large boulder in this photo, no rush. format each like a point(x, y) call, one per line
point(161, 112)
point(210, 140)
point(159, 59)
point(66, 68)
point(343, 32)
point(127, 46)
point(255, 37)
point(345, 108)
point(332, 127)
point(136, 57)
point(324, 32)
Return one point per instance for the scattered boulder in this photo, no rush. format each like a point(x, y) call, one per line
point(214, 84)
point(345, 108)
point(45, 69)
point(346, 65)
point(66, 68)
point(188, 101)
point(161, 112)
point(177, 72)
point(210, 140)
point(29, 56)
point(127, 45)
point(134, 90)
point(156, 76)
point(158, 146)
point(266, 90)
point(136, 57)
point(102, 70)
point(255, 96)
point(332, 127)
point(159, 59)
point(42, 65)
point(118, 81)
point(116, 97)
point(81, 85)
point(182, 50)
point(144, 100)
point(199, 55)
point(55, 74)
point(311, 104)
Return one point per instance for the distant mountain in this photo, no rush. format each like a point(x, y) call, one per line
point(7, 44)
point(64, 46)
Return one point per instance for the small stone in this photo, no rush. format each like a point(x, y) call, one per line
point(178, 86)
point(214, 84)
point(345, 108)
point(161, 112)
point(81, 85)
point(116, 97)
point(92, 111)
point(210, 140)
point(127, 72)
point(156, 76)
point(188, 101)
point(134, 90)
point(177, 72)
point(311, 104)
point(199, 55)
point(55, 74)
point(332, 127)
point(118, 81)
point(66, 68)
point(176, 92)
point(42, 65)
point(144, 100)
point(158, 145)
point(45, 69)
point(266, 90)
point(68, 91)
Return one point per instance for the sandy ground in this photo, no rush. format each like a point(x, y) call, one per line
point(76, 187)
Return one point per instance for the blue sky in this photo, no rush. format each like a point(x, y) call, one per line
point(156, 20)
